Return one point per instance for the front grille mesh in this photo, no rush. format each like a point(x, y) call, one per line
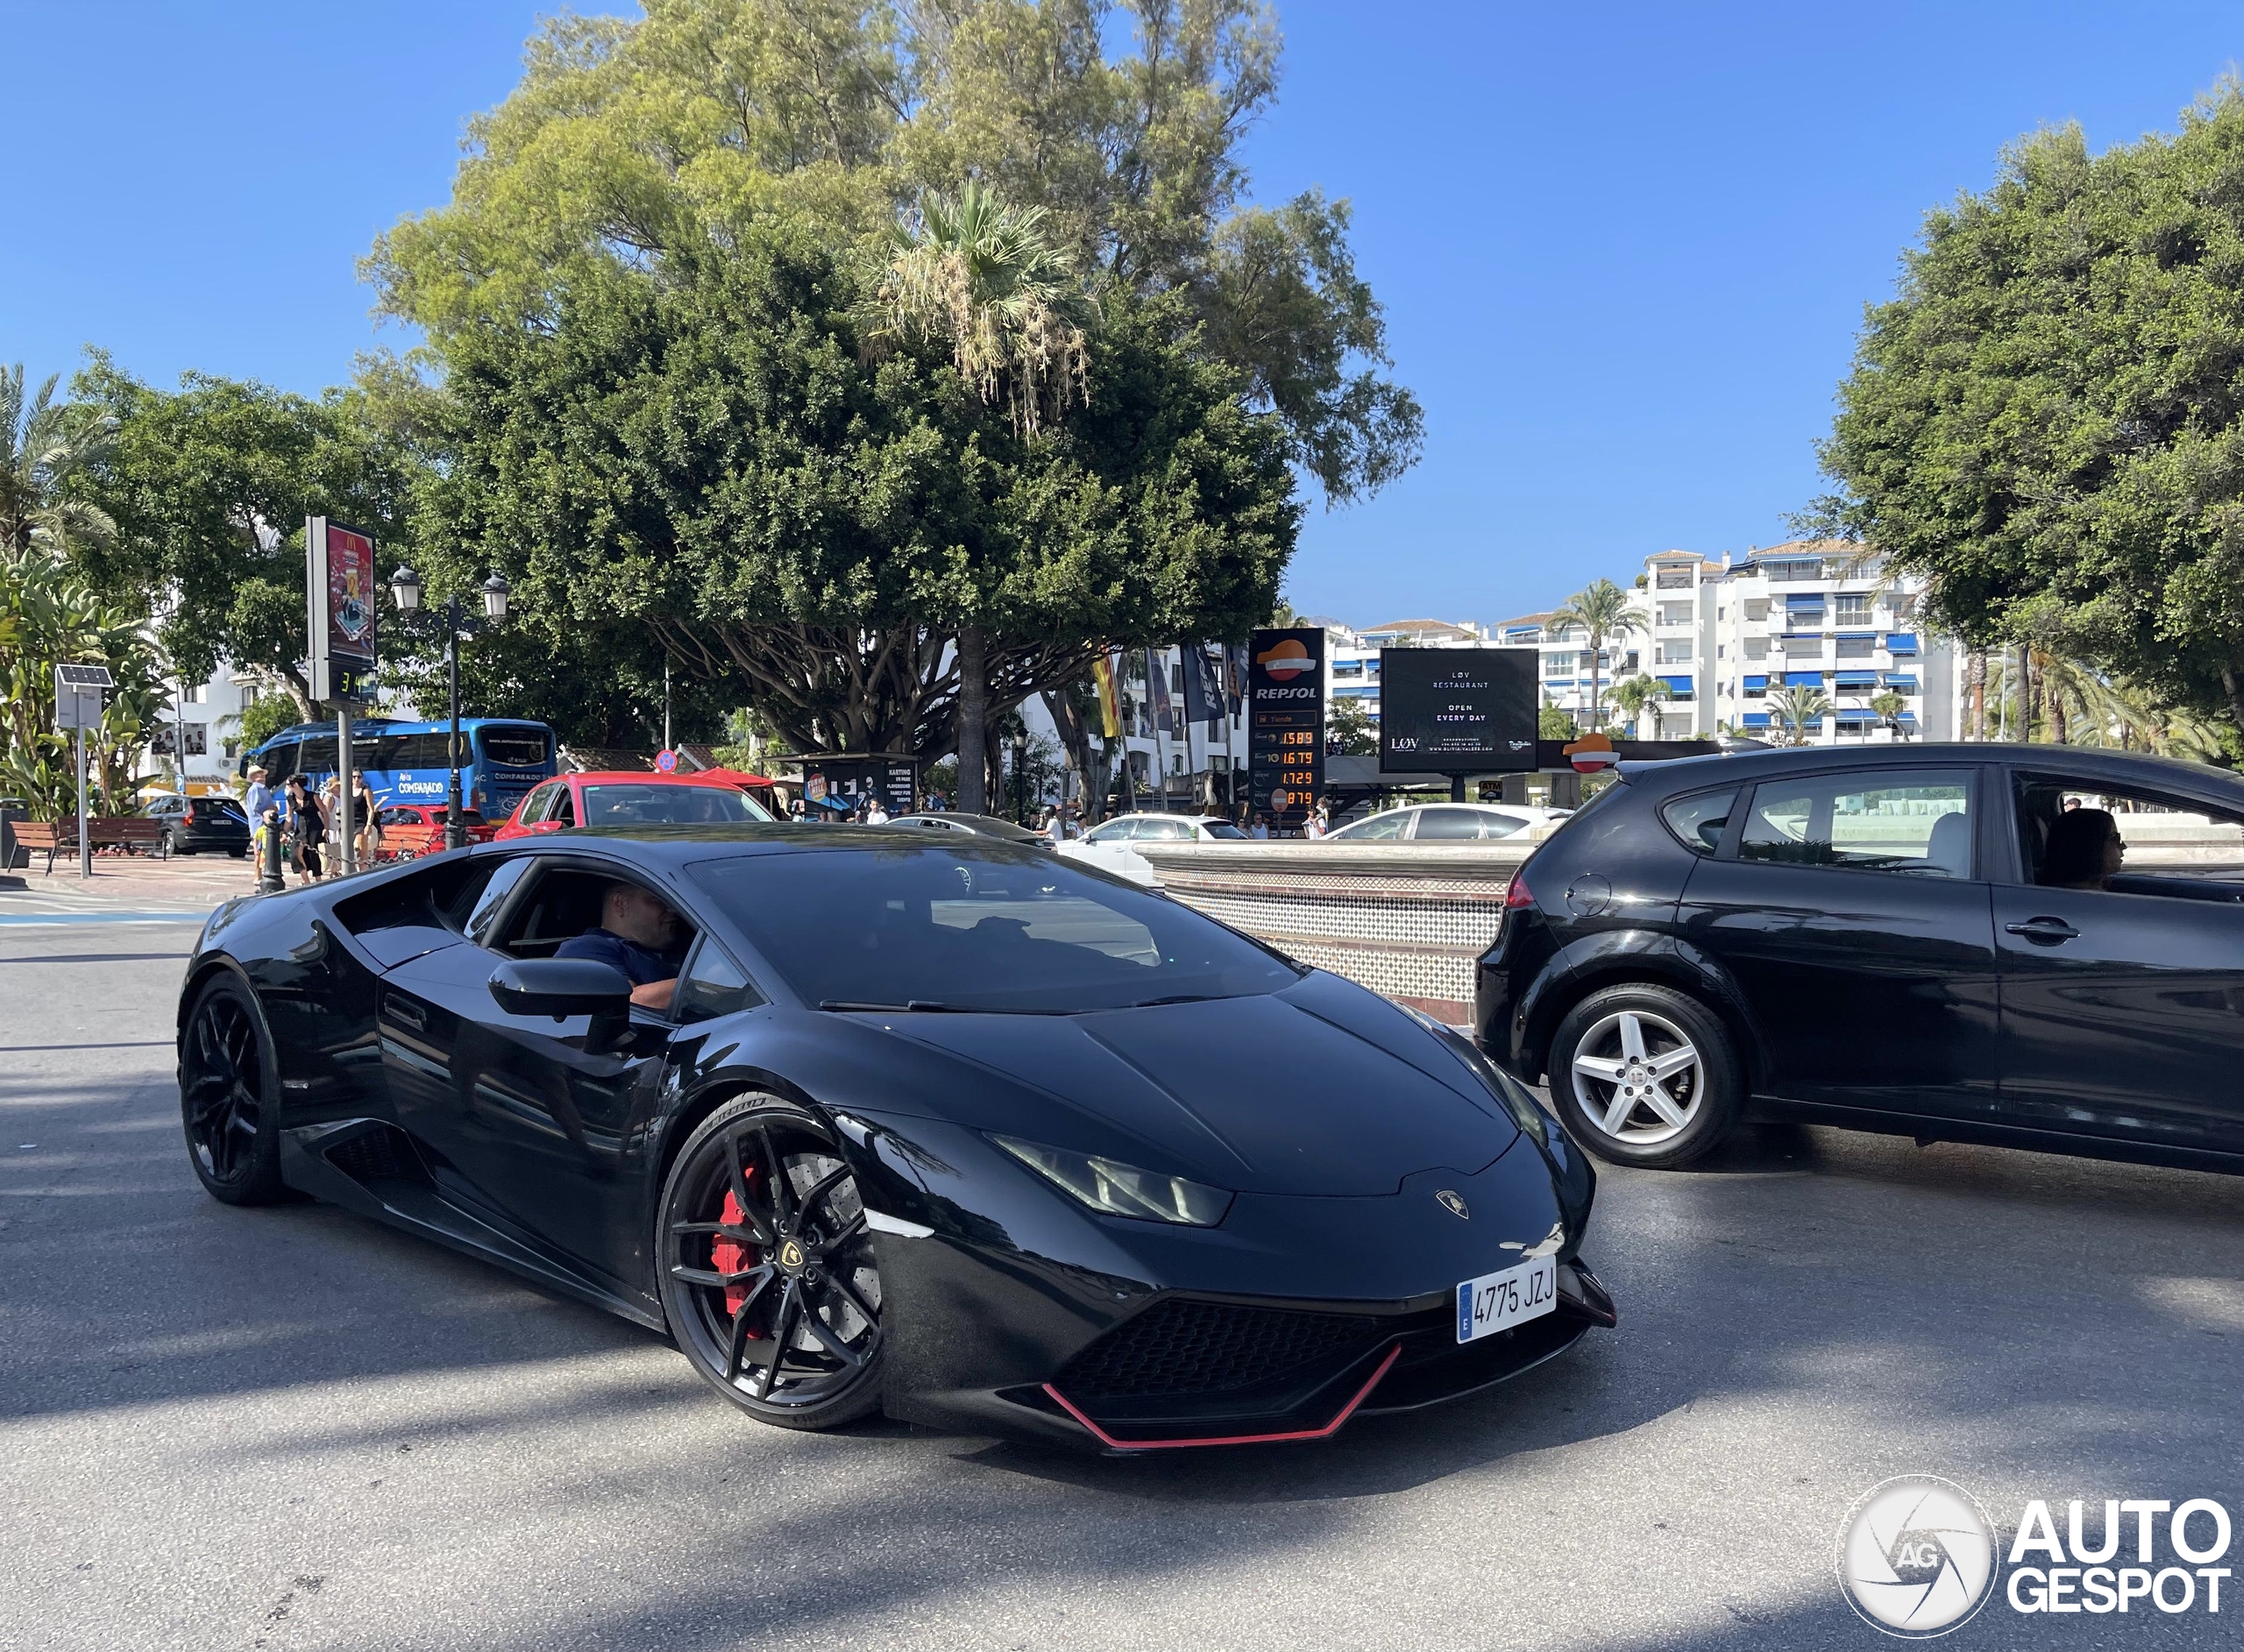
point(1186, 1347)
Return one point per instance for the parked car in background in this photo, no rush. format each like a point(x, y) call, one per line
point(631, 797)
point(1108, 846)
point(2035, 946)
point(1446, 823)
point(191, 825)
point(410, 830)
point(984, 826)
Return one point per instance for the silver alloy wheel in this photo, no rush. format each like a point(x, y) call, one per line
point(1639, 1077)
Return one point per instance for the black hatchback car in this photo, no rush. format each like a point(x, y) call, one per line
point(2035, 946)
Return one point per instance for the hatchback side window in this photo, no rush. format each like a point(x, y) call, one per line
point(1915, 822)
point(2085, 833)
point(1699, 819)
point(562, 810)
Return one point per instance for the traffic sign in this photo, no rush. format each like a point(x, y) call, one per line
point(666, 762)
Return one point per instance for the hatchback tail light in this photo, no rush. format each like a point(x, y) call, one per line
point(1519, 895)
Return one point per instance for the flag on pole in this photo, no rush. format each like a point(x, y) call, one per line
point(1157, 691)
point(1110, 701)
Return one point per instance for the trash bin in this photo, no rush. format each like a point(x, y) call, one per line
point(11, 809)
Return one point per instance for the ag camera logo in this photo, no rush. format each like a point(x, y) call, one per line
point(1917, 1555)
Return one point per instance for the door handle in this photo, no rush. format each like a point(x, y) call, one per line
point(406, 1013)
point(2047, 930)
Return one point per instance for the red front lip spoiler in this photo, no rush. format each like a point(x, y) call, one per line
point(1325, 1433)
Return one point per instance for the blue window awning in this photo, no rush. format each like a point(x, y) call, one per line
point(1908, 719)
point(1803, 599)
point(1753, 682)
point(1856, 714)
point(1858, 636)
point(1680, 685)
point(1901, 641)
point(1522, 634)
point(1901, 683)
point(1803, 680)
point(1857, 679)
point(1755, 720)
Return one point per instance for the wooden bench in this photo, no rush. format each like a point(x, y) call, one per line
point(123, 832)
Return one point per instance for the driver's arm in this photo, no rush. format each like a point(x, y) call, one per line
point(656, 995)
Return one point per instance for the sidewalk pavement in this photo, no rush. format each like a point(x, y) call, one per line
point(185, 885)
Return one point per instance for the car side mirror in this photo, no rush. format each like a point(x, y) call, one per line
point(562, 987)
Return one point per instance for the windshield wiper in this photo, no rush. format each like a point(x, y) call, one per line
point(928, 1006)
point(1178, 997)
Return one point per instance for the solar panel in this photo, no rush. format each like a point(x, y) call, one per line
point(84, 677)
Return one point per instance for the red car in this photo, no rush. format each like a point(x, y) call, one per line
point(627, 797)
point(410, 830)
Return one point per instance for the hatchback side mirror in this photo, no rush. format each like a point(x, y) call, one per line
point(562, 987)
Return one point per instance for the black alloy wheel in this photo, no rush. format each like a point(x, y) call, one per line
point(228, 1086)
point(766, 1267)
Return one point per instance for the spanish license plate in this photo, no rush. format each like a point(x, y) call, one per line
point(1497, 1302)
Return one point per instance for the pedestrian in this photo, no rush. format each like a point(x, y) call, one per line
point(1262, 825)
point(796, 812)
point(255, 801)
point(367, 820)
point(307, 829)
point(1319, 823)
point(876, 812)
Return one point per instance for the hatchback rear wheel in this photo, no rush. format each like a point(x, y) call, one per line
point(1644, 1076)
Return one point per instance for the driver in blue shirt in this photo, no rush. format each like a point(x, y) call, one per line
point(639, 934)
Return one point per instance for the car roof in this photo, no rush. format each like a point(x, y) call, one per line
point(2122, 768)
point(645, 776)
point(673, 845)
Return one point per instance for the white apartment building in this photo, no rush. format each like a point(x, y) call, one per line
point(1565, 666)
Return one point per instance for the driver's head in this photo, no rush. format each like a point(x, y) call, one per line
point(2084, 848)
point(633, 913)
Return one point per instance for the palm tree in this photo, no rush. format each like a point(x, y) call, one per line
point(1798, 707)
point(1889, 708)
point(41, 445)
point(987, 278)
point(1602, 610)
point(1631, 698)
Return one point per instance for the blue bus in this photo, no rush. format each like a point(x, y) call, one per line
point(500, 760)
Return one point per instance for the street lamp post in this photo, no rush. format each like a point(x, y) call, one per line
point(405, 586)
point(1021, 776)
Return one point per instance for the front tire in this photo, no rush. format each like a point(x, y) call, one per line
point(229, 1097)
point(1645, 1075)
point(766, 1270)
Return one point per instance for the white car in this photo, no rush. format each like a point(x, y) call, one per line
point(1446, 823)
point(1108, 845)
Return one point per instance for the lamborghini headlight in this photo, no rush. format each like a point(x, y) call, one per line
point(1116, 1189)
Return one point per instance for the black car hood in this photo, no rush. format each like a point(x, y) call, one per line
point(1259, 1095)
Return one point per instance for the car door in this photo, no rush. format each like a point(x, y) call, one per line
point(530, 1120)
point(1449, 823)
point(2122, 1007)
point(1848, 909)
point(1104, 846)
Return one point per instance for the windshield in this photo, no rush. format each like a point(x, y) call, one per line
point(638, 804)
point(515, 746)
point(1221, 829)
point(976, 925)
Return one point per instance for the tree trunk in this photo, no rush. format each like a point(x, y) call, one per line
point(2029, 693)
point(973, 720)
point(1074, 740)
point(2231, 683)
point(1975, 725)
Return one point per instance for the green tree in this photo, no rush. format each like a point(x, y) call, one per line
point(1797, 709)
point(1604, 611)
point(52, 613)
point(635, 156)
point(208, 488)
point(1347, 722)
point(2046, 420)
point(1889, 706)
point(1631, 698)
point(1553, 722)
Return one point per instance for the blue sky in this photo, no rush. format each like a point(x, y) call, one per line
point(1624, 249)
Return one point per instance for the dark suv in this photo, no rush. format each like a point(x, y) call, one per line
point(194, 823)
point(2039, 946)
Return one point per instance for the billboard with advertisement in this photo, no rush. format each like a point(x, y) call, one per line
point(1285, 722)
point(339, 585)
point(1457, 711)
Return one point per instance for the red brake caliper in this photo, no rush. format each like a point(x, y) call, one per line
point(730, 1255)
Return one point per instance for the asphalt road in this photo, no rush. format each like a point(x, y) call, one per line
point(290, 1429)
